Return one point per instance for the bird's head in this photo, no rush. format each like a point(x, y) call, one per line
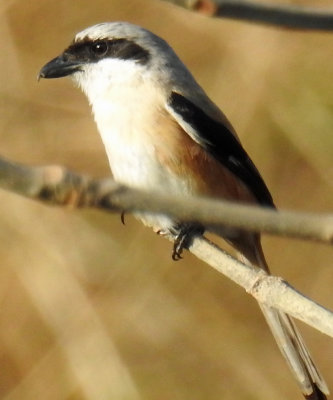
point(118, 53)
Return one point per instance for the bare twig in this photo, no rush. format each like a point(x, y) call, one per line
point(56, 185)
point(268, 289)
point(287, 16)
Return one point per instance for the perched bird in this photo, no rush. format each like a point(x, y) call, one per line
point(162, 132)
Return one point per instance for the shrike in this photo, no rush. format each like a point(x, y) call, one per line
point(162, 132)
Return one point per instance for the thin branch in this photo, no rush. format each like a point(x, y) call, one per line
point(286, 16)
point(270, 290)
point(58, 186)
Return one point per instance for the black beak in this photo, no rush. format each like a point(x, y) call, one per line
point(59, 67)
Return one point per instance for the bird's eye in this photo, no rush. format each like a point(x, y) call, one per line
point(99, 48)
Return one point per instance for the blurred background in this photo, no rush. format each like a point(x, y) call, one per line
point(94, 310)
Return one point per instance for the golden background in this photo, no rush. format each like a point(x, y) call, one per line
point(94, 310)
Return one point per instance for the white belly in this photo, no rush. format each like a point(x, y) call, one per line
point(129, 141)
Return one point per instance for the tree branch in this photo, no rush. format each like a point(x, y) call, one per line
point(286, 16)
point(58, 186)
point(267, 289)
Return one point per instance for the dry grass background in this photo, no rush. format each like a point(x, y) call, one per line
point(94, 310)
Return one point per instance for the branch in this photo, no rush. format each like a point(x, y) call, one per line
point(58, 186)
point(286, 16)
point(270, 290)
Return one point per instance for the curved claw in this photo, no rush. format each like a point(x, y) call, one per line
point(176, 253)
point(122, 217)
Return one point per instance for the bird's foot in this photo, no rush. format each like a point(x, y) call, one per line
point(183, 239)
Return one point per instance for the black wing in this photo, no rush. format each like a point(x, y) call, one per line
point(219, 141)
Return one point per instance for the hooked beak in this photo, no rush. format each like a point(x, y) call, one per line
point(59, 67)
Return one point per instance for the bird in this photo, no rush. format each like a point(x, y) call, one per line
point(163, 133)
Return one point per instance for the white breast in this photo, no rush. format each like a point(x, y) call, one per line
point(127, 113)
point(126, 124)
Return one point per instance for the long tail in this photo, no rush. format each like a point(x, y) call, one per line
point(289, 340)
point(295, 352)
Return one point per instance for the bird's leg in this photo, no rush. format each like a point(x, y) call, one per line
point(184, 235)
